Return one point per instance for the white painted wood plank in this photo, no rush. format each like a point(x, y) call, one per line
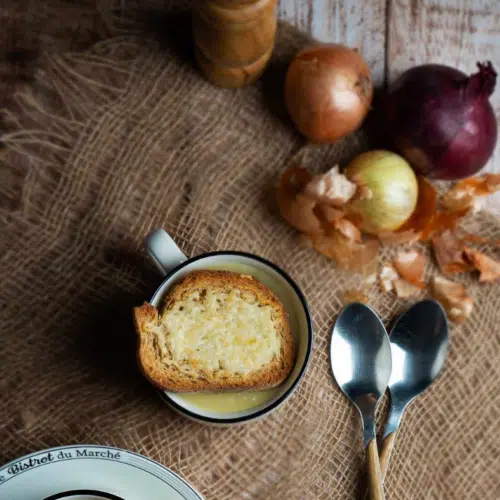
point(356, 23)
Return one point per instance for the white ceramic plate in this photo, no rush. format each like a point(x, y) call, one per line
point(87, 469)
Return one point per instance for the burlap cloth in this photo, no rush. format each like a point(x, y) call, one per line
point(105, 144)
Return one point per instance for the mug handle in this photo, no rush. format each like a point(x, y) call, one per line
point(163, 250)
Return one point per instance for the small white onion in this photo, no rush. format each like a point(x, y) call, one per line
point(387, 191)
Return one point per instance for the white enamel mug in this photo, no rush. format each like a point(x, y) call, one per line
point(174, 265)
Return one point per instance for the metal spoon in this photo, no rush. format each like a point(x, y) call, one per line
point(360, 355)
point(419, 344)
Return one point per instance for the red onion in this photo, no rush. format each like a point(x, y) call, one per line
point(442, 121)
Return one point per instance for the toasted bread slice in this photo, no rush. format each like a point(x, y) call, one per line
point(218, 330)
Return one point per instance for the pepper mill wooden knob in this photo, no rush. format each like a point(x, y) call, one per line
point(234, 39)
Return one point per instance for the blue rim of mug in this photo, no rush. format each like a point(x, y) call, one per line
point(72, 493)
point(305, 364)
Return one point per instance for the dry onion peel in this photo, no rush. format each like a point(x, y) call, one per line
point(463, 194)
point(365, 258)
point(488, 268)
point(388, 275)
point(424, 212)
point(453, 296)
point(328, 214)
point(488, 184)
point(449, 253)
point(370, 279)
point(334, 245)
point(298, 210)
point(312, 204)
point(359, 256)
point(405, 289)
point(405, 277)
point(444, 220)
point(426, 220)
point(354, 296)
point(348, 229)
point(410, 264)
point(474, 238)
point(331, 188)
point(308, 205)
point(399, 237)
point(479, 240)
point(295, 179)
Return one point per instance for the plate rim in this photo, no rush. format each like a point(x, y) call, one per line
point(87, 445)
point(95, 493)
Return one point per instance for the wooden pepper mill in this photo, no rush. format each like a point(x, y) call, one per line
point(234, 39)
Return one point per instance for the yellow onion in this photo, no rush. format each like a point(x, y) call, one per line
point(387, 191)
point(328, 91)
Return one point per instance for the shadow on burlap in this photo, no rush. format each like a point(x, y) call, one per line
point(108, 143)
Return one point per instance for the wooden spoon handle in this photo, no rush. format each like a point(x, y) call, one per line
point(385, 456)
point(385, 453)
point(375, 476)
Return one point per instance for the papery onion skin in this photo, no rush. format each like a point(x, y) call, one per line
point(328, 92)
point(393, 186)
point(441, 120)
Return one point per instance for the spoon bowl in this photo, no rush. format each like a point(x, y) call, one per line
point(360, 356)
point(419, 345)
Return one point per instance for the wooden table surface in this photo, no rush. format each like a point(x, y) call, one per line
point(394, 35)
